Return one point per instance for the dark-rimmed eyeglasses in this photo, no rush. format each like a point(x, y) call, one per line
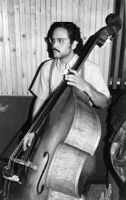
point(58, 40)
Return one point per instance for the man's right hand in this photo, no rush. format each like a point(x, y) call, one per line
point(28, 140)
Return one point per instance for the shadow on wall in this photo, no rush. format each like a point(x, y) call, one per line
point(13, 115)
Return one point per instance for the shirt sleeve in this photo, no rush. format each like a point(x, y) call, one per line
point(40, 86)
point(94, 76)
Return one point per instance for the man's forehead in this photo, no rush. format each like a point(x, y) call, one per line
point(60, 33)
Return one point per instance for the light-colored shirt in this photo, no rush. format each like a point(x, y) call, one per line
point(90, 72)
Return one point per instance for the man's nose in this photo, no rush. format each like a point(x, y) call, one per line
point(55, 43)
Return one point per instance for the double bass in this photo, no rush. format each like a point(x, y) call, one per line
point(67, 132)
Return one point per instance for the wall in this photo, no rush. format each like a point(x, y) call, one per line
point(117, 76)
point(14, 113)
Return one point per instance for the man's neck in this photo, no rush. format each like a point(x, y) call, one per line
point(65, 61)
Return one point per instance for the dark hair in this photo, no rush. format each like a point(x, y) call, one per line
point(73, 33)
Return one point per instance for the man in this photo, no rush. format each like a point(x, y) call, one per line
point(66, 45)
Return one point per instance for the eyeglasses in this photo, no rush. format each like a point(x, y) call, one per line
point(58, 40)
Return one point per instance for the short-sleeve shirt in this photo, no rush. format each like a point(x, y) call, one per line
point(90, 72)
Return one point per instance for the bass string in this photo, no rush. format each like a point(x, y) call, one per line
point(37, 121)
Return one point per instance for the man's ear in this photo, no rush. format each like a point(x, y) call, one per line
point(74, 45)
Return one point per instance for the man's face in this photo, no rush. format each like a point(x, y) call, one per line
point(61, 45)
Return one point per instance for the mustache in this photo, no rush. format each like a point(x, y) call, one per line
point(54, 49)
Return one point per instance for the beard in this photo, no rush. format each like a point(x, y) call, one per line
point(56, 53)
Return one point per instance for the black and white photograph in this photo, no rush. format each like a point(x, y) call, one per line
point(62, 99)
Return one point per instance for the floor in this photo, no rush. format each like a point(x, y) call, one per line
point(96, 192)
